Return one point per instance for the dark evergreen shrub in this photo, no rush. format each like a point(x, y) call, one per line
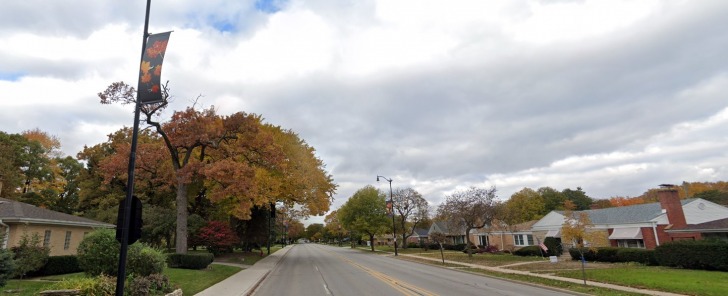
point(607, 254)
point(529, 251)
point(589, 255)
point(554, 246)
point(7, 266)
point(706, 255)
point(643, 256)
point(189, 261)
point(59, 265)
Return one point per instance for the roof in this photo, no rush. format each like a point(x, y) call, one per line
point(421, 232)
point(18, 212)
point(629, 214)
point(712, 226)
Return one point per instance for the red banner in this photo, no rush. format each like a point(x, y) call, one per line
point(150, 70)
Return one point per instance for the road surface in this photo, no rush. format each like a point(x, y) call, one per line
point(311, 269)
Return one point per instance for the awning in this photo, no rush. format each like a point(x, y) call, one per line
point(626, 233)
point(554, 233)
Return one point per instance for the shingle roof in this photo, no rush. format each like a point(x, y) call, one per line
point(15, 211)
point(629, 214)
point(717, 225)
point(421, 231)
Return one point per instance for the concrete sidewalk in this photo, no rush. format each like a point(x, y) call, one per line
point(243, 282)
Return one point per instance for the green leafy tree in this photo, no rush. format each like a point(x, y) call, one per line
point(526, 205)
point(315, 231)
point(365, 212)
point(553, 199)
point(579, 198)
point(30, 255)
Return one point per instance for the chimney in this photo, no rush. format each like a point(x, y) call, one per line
point(670, 202)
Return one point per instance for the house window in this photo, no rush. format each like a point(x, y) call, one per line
point(67, 242)
point(523, 239)
point(631, 243)
point(47, 239)
point(483, 240)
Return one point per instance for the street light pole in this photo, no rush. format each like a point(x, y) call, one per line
point(391, 200)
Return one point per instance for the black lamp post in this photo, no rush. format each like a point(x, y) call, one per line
point(391, 200)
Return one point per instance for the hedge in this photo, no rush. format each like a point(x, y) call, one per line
point(59, 265)
point(529, 251)
point(706, 254)
point(189, 261)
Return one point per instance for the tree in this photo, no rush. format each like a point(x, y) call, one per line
point(553, 199)
point(218, 237)
point(439, 238)
point(525, 205)
point(412, 210)
point(333, 226)
point(578, 197)
point(240, 162)
point(29, 254)
point(601, 204)
point(469, 209)
point(579, 230)
point(315, 231)
point(365, 212)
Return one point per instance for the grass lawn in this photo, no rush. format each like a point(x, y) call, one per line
point(482, 259)
point(681, 281)
point(194, 281)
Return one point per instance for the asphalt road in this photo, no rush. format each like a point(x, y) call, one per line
point(310, 269)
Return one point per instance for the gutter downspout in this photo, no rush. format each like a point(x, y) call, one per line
point(6, 236)
point(654, 230)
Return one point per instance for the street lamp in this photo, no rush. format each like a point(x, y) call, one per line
point(391, 201)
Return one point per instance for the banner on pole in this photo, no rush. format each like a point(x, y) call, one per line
point(150, 70)
point(389, 208)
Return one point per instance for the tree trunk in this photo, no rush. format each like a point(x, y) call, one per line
point(467, 245)
point(371, 241)
point(181, 235)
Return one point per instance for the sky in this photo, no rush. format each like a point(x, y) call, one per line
point(615, 97)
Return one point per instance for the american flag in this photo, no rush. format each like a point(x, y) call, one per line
point(543, 247)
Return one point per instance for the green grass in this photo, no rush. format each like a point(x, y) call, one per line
point(482, 259)
point(194, 281)
point(681, 281)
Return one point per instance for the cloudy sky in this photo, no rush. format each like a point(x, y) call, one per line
point(613, 96)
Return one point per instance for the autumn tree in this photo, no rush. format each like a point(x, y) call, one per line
point(238, 160)
point(411, 209)
point(469, 209)
point(525, 205)
point(315, 232)
point(334, 226)
point(579, 231)
point(365, 212)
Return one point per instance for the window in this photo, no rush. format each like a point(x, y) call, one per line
point(67, 243)
point(47, 239)
point(523, 239)
point(631, 243)
point(483, 240)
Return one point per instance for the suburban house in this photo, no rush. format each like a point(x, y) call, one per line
point(60, 232)
point(453, 236)
point(505, 237)
point(419, 237)
point(717, 229)
point(645, 225)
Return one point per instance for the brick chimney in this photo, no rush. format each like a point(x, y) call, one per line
point(670, 202)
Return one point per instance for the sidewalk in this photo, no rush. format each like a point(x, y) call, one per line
point(243, 282)
point(577, 281)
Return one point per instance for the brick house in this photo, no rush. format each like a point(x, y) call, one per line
point(505, 237)
point(646, 225)
point(60, 232)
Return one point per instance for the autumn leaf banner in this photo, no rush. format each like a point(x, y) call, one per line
point(151, 68)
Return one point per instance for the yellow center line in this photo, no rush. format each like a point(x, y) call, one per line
point(403, 287)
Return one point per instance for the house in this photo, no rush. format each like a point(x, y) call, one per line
point(717, 229)
point(419, 237)
point(505, 237)
point(60, 232)
point(452, 236)
point(645, 225)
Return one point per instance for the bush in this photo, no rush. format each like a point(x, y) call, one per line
point(7, 266)
point(29, 255)
point(607, 254)
point(643, 256)
point(143, 260)
point(589, 255)
point(491, 249)
point(707, 255)
point(59, 265)
point(432, 246)
point(101, 285)
point(189, 261)
point(98, 253)
point(413, 245)
point(554, 246)
point(529, 251)
point(150, 285)
point(218, 237)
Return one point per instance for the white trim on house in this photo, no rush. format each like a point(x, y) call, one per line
point(554, 233)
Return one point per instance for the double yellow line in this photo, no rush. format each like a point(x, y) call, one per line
point(402, 287)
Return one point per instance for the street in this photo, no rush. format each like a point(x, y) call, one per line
point(311, 269)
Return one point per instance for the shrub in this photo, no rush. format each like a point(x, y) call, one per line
point(153, 284)
point(491, 249)
point(707, 255)
point(413, 245)
point(643, 256)
point(143, 260)
point(589, 254)
point(529, 251)
point(101, 285)
point(189, 261)
point(7, 266)
point(554, 246)
point(59, 265)
point(607, 254)
point(218, 237)
point(29, 255)
point(98, 253)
